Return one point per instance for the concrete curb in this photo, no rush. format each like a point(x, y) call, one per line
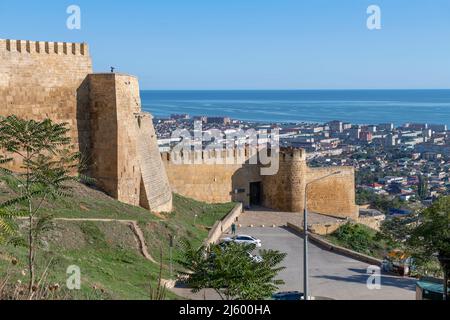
point(337, 249)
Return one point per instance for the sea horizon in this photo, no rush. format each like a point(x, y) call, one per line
point(358, 106)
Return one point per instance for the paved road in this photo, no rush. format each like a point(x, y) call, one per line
point(263, 216)
point(331, 275)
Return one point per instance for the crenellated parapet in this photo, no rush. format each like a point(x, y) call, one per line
point(55, 80)
point(46, 80)
point(232, 155)
point(44, 47)
point(292, 155)
point(210, 156)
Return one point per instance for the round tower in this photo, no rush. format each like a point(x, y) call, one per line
point(284, 190)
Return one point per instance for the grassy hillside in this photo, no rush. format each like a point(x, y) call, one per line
point(107, 252)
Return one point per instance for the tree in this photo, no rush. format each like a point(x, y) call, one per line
point(397, 230)
point(7, 227)
point(430, 239)
point(379, 202)
point(230, 270)
point(41, 148)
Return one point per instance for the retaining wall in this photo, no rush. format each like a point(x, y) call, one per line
point(337, 249)
point(223, 225)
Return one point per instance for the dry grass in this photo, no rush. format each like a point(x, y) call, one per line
point(42, 290)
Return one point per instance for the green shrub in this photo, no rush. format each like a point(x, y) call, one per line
point(355, 236)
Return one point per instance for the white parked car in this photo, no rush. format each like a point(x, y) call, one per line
point(244, 239)
point(257, 259)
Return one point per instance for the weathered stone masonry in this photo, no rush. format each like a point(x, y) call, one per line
point(283, 191)
point(54, 80)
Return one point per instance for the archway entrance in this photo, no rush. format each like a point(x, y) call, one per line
point(255, 193)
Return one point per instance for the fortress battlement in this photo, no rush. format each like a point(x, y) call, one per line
point(40, 80)
point(233, 155)
point(44, 47)
point(292, 154)
point(237, 155)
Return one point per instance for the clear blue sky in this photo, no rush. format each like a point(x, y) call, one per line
point(251, 44)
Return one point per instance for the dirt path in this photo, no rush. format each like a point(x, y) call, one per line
point(137, 231)
point(140, 241)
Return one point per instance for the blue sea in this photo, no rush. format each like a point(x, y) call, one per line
point(354, 106)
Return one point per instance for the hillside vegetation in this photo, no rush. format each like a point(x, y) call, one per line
point(106, 249)
point(362, 239)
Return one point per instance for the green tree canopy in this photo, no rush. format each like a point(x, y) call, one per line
point(430, 239)
point(230, 271)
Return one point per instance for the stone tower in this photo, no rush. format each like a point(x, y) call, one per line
point(282, 191)
point(285, 190)
point(54, 80)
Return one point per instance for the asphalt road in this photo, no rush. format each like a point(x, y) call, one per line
point(331, 275)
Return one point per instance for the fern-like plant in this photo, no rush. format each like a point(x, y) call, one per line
point(46, 164)
point(7, 225)
point(160, 291)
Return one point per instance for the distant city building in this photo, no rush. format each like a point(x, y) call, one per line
point(431, 156)
point(331, 143)
point(413, 141)
point(203, 119)
point(355, 133)
point(416, 126)
point(438, 127)
point(366, 136)
point(411, 134)
point(169, 121)
point(438, 138)
point(386, 127)
point(179, 116)
point(312, 130)
point(286, 131)
point(218, 120)
point(435, 148)
point(428, 133)
point(390, 140)
point(336, 126)
point(391, 179)
point(415, 155)
point(346, 126)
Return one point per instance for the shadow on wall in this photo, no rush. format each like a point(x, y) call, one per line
point(333, 196)
point(83, 121)
point(244, 182)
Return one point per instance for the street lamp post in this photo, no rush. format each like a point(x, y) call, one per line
point(305, 236)
point(171, 245)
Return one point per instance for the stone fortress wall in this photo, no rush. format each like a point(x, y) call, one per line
point(42, 80)
point(284, 191)
point(212, 182)
point(55, 80)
